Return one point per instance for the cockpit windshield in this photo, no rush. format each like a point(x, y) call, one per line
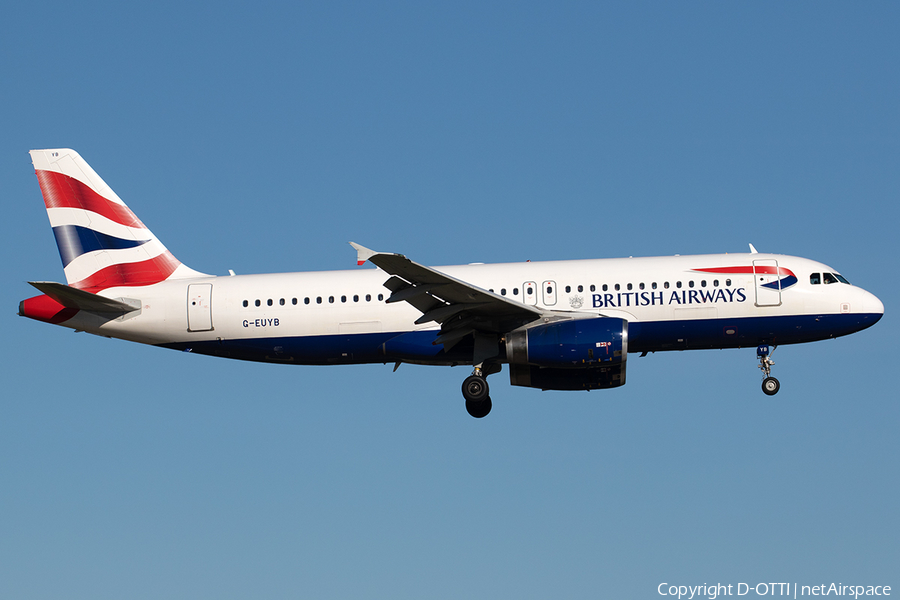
point(826, 278)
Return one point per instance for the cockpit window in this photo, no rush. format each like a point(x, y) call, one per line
point(815, 278)
point(841, 278)
point(829, 278)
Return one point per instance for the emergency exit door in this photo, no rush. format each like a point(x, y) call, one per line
point(548, 290)
point(529, 292)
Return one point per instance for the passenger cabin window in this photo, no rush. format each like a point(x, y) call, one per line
point(246, 304)
point(815, 278)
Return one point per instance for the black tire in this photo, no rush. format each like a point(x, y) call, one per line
point(479, 409)
point(475, 389)
point(770, 386)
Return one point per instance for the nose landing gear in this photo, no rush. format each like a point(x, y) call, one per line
point(770, 385)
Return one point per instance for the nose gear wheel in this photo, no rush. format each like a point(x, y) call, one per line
point(770, 385)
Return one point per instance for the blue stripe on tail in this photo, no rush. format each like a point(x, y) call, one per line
point(74, 240)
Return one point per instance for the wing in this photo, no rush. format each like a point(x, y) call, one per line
point(461, 308)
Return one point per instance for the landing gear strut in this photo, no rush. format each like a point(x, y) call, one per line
point(770, 385)
point(477, 393)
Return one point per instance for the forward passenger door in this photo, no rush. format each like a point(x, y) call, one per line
point(767, 282)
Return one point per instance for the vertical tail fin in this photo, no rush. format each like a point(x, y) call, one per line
point(102, 243)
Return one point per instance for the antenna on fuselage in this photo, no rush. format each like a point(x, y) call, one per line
point(753, 250)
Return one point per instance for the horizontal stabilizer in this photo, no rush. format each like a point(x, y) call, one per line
point(74, 298)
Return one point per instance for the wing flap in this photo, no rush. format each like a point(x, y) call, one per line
point(442, 313)
point(411, 291)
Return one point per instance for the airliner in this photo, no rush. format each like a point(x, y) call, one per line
point(557, 325)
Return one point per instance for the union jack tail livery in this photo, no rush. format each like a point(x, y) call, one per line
point(102, 243)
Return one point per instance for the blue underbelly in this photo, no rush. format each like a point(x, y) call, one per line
point(417, 346)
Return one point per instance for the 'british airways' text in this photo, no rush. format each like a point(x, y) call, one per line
point(622, 299)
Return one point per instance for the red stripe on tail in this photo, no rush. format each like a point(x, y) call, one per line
point(146, 272)
point(62, 191)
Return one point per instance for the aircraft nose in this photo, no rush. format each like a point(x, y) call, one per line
point(867, 308)
point(875, 305)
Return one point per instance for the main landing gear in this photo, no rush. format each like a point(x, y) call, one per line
point(476, 391)
point(770, 385)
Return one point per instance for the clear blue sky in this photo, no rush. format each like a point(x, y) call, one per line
point(262, 137)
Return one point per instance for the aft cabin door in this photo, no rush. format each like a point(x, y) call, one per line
point(767, 282)
point(199, 308)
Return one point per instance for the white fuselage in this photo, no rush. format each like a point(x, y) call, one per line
point(679, 302)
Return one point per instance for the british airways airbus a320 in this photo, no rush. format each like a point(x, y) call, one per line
point(565, 325)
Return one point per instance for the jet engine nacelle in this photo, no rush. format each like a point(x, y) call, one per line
point(576, 354)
